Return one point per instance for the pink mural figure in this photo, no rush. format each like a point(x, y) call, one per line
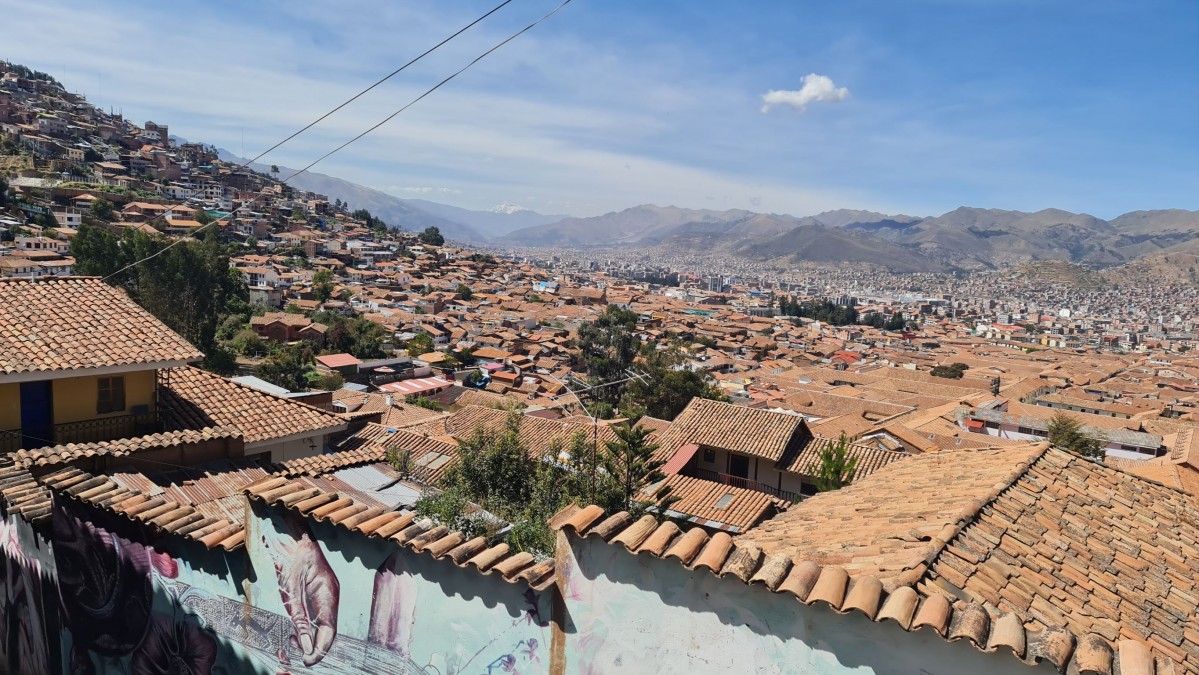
point(393, 608)
point(308, 587)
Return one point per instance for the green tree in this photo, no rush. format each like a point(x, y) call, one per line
point(103, 210)
point(1067, 433)
point(367, 339)
point(288, 368)
point(474, 379)
point(668, 384)
point(629, 461)
point(464, 292)
point(953, 371)
point(3, 191)
point(220, 360)
point(432, 236)
point(607, 347)
point(322, 285)
point(837, 468)
point(330, 382)
point(422, 343)
point(496, 472)
point(494, 468)
point(189, 285)
point(247, 343)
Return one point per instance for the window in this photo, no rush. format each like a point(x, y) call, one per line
point(110, 396)
point(709, 456)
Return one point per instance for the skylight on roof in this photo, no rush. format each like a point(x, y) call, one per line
point(724, 502)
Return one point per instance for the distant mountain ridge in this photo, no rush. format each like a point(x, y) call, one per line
point(410, 214)
point(965, 238)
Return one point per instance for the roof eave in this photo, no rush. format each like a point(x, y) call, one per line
point(116, 369)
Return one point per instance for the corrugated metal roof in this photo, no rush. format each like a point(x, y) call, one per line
point(381, 483)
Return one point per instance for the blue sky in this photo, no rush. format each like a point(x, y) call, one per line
point(915, 107)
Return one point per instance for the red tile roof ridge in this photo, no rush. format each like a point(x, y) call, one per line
point(810, 583)
point(66, 452)
point(421, 537)
point(164, 517)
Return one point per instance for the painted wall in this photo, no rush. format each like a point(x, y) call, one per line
point(370, 606)
point(632, 614)
point(75, 397)
point(87, 594)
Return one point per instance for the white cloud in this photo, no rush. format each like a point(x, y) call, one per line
point(816, 88)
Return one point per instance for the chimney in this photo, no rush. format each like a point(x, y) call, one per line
point(389, 400)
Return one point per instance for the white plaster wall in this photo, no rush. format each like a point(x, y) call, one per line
point(293, 449)
point(640, 614)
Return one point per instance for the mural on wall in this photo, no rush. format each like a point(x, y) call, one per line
point(116, 613)
point(94, 598)
point(28, 613)
point(408, 627)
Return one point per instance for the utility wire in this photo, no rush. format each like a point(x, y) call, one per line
point(432, 89)
point(334, 110)
point(390, 75)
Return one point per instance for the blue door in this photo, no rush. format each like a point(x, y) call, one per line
point(37, 418)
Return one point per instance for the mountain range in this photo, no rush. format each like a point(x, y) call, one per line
point(963, 239)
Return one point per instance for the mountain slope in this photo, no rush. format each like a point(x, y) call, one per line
point(628, 227)
point(495, 223)
point(965, 238)
point(393, 210)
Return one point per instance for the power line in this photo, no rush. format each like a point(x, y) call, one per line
point(318, 120)
point(380, 81)
point(432, 89)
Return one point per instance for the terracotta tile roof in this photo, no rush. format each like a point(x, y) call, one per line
point(195, 399)
point(832, 405)
point(463, 396)
point(160, 512)
point(717, 506)
point(1159, 469)
point(833, 586)
point(62, 454)
point(429, 458)
point(761, 433)
point(402, 416)
point(1075, 544)
point(890, 524)
point(281, 317)
point(539, 435)
point(63, 324)
point(405, 529)
point(22, 494)
point(654, 424)
point(805, 459)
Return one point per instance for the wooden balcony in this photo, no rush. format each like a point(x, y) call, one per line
point(87, 431)
point(745, 483)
